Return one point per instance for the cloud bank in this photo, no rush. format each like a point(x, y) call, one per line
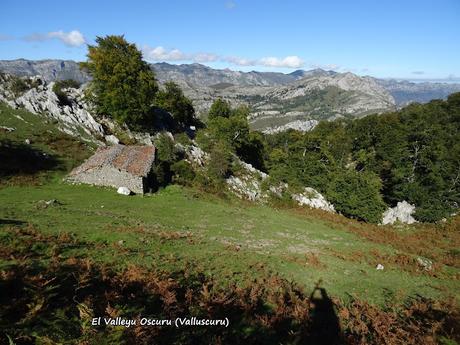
point(73, 38)
point(161, 54)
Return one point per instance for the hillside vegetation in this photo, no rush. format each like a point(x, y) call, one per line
point(276, 272)
point(80, 251)
point(365, 164)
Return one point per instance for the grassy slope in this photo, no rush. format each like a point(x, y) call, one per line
point(227, 239)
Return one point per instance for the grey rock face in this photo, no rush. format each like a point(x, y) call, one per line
point(402, 212)
point(277, 99)
point(405, 92)
point(312, 198)
point(303, 126)
point(50, 70)
point(73, 118)
point(248, 184)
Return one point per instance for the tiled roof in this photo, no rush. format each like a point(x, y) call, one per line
point(136, 160)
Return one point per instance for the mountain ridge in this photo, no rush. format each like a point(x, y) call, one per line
point(277, 99)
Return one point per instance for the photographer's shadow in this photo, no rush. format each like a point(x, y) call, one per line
point(325, 325)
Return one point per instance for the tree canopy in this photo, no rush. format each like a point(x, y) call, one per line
point(173, 100)
point(365, 165)
point(123, 85)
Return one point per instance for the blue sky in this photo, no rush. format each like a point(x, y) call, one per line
point(403, 39)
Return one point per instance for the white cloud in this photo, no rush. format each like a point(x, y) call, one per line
point(204, 57)
point(288, 61)
point(162, 54)
point(327, 67)
point(73, 38)
point(235, 60)
point(418, 72)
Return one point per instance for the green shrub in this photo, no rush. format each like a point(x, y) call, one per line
point(183, 173)
point(357, 195)
point(166, 155)
point(18, 86)
point(220, 161)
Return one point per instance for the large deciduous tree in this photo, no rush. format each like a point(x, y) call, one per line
point(123, 85)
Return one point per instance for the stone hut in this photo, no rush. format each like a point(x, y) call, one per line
point(117, 166)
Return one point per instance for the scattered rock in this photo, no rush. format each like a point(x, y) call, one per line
point(379, 267)
point(248, 184)
point(111, 139)
point(425, 263)
point(279, 189)
point(196, 155)
point(42, 204)
point(245, 187)
point(402, 212)
point(7, 129)
point(121, 242)
point(27, 141)
point(314, 199)
point(123, 191)
point(299, 125)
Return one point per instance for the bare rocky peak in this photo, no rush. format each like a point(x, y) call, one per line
point(49, 70)
point(277, 99)
point(198, 75)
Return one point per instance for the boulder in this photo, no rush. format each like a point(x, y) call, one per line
point(111, 139)
point(425, 263)
point(196, 155)
point(314, 199)
point(402, 212)
point(124, 191)
point(246, 187)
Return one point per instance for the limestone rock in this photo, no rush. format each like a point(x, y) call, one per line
point(111, 139)
point(123, 191)
point(402, 212)
point(7, 129)
point(245, 187)
point(196, 155)
point(311, 197)
point(425, 263)
point(299, 125)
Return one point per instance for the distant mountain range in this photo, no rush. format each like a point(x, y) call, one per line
point(277, 99)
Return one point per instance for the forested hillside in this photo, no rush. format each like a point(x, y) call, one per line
point(363, 164)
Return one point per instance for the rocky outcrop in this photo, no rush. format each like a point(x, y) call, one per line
point(248, 185)
point(314, 199)
point(402, 213)
point(276, 99)
point(50, 70)
point(73, 117)
point(298, 125)
point(196, 155)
